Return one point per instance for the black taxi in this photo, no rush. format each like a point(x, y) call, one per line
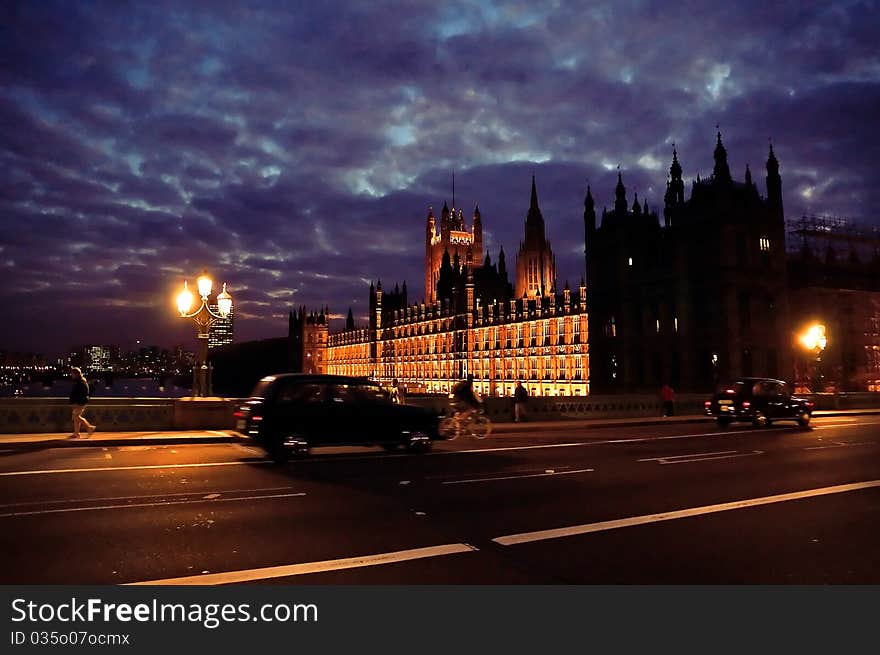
point(289, 413)
point(759, 401)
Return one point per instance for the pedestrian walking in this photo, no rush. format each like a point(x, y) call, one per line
point(667, 395)
point(394, 393)
point(520, 398)
point(79, 398)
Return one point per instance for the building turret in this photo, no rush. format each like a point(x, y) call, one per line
point(535, 263)
point(349, 320)
point(589, 226)
point(721, 171)
point(477, 229)
point(620, 196)
point(774, 183)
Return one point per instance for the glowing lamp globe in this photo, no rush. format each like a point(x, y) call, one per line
point(184, 300)
point(224, 302)
point(205, 285)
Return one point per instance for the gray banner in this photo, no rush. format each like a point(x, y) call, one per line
point(455, 619)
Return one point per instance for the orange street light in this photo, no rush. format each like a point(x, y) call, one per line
point(814, 337)
point(204, 318)
point(815, 340)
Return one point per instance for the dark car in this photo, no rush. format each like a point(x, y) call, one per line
point(290, 413)
point(760, 401)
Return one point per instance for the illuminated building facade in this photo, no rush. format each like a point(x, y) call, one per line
point(472, 322)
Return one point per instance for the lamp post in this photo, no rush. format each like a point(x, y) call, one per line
point(204, 318)
point(814, 340)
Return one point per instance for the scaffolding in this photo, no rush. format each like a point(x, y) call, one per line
point(818, 235)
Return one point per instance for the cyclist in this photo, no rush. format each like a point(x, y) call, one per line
point(465, 398)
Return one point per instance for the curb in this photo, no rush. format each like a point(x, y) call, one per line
point(508, 428)
point(134, 441)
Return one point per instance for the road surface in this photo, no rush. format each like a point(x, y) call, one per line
point(660, 504)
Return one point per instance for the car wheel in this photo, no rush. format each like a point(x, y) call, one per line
point(418, 442)
point(723, 422)
point(760, 420)
point(804, 418)
point(419, 447)
point(277, 451)
point(448, 428)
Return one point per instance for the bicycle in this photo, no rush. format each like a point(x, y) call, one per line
point(471, 422)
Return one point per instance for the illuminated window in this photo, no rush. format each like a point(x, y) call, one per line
point(764, 243)
point(658, 325)
point(630, 261)
point(675, 320)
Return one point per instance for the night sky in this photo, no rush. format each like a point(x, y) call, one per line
point(294, 148)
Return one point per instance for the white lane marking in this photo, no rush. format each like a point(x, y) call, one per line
point(828, 426)
point(135, 468)
point(189, 501)
point(595, 443)
point(284, 571)
point(842, 445)
point(518, 477)
point(181, 494)
point(541, 535)
point(701, 457)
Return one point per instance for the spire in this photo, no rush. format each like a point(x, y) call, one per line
point(349, 320)
point(772, 163)
point(620, 195)
point(589, 211)
point(774, 182)
point(445, 212)
point(488, 261)
point(675, 168)
point(748, 176)
point(534, 219)
point(477, 215)
point(453, 188)
point(636, 208)
point(502, 263)
point(645, 209)
point(722, 170)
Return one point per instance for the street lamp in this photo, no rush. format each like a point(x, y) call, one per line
point(204, 318)
point(814, 340)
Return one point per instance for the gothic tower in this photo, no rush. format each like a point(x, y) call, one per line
point(455, 238)
point(535, 262)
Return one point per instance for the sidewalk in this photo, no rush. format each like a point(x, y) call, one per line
point(108, 439)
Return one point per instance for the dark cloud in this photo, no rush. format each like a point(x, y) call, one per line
point(294, 151)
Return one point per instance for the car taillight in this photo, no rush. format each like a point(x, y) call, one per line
point(809, 404)
point(238, 414)
point(708, 403)
point(746, 404)
point(256, 418)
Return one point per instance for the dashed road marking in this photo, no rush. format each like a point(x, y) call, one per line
point(556, 533)
point(142, 467)
point(188, 501)
point(249, 575)
point(518, 477)
point(700, 457)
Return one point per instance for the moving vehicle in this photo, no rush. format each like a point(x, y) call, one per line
point(289, 413)
point(760, 401)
